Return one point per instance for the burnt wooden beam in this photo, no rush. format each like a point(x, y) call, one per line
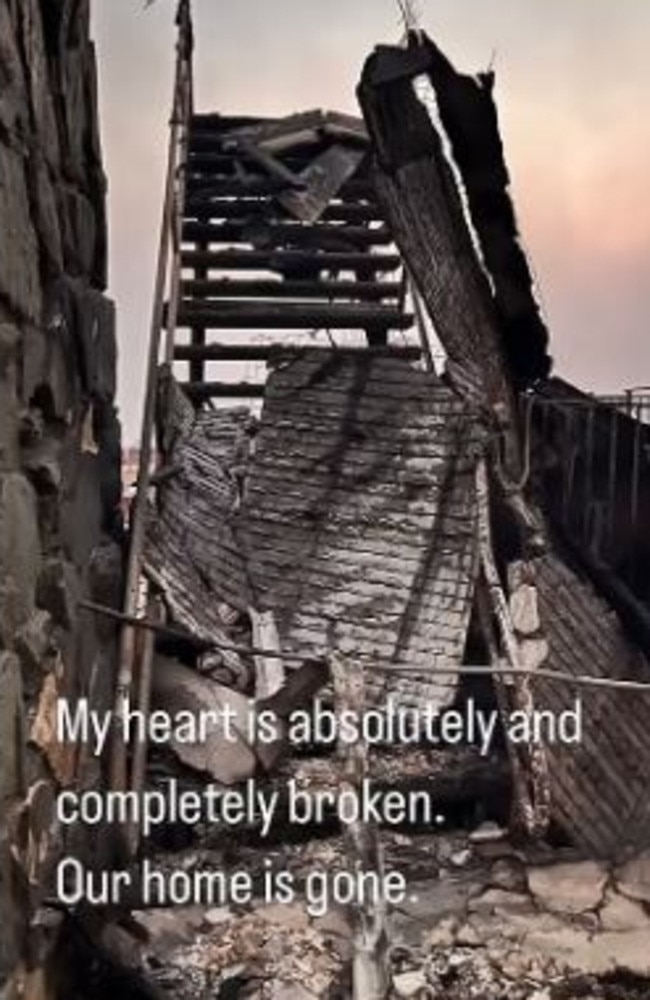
point(260, 186)
point(203, 391)
point(264, 352)
point(225, 315)
point(469, 116)
point(219, 162)
point(198, 336)
point(309, 263)
point(266, 210)
point(362, 291)
point(212, 121)
point(417, 189)
point(246, 231)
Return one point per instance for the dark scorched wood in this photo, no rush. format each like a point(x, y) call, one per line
point(469, 116)
point(233, 315)
point(417, 190)
point(363, 291)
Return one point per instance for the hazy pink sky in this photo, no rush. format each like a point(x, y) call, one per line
point(573, 88)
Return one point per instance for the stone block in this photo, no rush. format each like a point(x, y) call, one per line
point(46, 217)
point(98, 344)
point(621, 914)
point(569, 888)
point(58, 591)
point(19, 261)
point(38, 79)
point(105, 578)
point(62, 758)
point(14, 105)
point(9, 424)
point(12, 729)
point(36, 641)
point(51, 380)
point(42, 463)
point(77, 69)
point(633, 878)
point(79, 230)
point(81, 513)
point(20, 544)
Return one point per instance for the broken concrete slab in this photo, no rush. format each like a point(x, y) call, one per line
point(569, 888)
point(633, 878)
point(621, 914)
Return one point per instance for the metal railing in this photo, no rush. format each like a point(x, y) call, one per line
point(591, 455)
point(166, 287)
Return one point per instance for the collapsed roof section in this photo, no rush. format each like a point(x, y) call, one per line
point(353, 520)
point(361, 516)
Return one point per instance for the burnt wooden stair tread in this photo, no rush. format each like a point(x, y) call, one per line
point(245, 230)
point(279, 260)
point(264, 352)
point(227, 314)
point(202, 391)
point(233, 187)
point(202, 207)
point(326, 289)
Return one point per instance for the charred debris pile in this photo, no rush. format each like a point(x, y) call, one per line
point(382, 529)
point(373, 507)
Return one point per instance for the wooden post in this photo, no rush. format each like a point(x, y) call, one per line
point(532, 783)
point(370, 967)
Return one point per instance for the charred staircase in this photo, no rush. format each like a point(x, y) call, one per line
point(267, 258)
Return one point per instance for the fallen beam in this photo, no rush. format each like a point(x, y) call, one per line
point(202, 391)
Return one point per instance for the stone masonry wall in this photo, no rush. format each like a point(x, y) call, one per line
point(59, 452)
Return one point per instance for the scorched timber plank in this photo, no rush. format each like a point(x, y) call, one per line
point(290, 316)
point(202, 391)
point(218, 163)
point(246, 230)
point(363, 291)
point(261, 186)
point(266, 210)
point(263, 352)
point(417, 190)
point(292, 260)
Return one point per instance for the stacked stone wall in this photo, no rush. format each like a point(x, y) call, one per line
point(59, 453)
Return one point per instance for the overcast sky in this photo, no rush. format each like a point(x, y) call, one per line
point(573, 89)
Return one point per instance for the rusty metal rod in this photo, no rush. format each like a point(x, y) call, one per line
point(118, 759)
point(143, 702)
point(478, 670)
